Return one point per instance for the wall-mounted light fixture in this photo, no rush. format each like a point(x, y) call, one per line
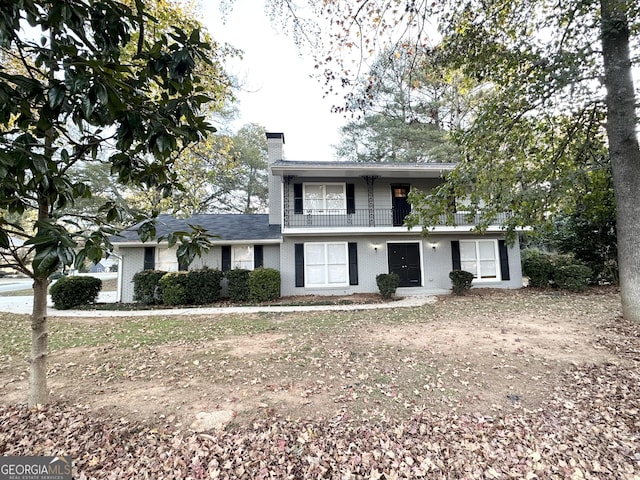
point(433, 245)
point(376, 246)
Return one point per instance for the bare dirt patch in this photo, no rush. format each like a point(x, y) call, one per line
point(487, 352)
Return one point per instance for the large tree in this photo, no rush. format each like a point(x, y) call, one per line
point(224, 173)
point(411, 104)
point(558, 76)
point(87, 81)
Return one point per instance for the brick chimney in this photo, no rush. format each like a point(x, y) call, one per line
point(275, 144)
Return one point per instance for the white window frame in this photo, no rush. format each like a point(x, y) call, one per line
point(243, 264)
point(324, 210)
point(326, 264)
point(477, 275)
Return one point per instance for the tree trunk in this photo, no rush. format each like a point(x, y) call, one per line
point(624, 151)
point(38, 391)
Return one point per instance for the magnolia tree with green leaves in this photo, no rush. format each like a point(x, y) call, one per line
point(558, 83)
point(82, 81)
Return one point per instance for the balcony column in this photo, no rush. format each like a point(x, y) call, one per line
point(370, 204)
point(285, 199)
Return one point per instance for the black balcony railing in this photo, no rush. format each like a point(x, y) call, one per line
point(379, 217)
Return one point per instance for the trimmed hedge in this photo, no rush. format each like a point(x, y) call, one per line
point(69, 292)
point(146, 287)
point(387, 284)
point(174, 287)
point(238, 288)
point(264, 285)
point(203, 286)
point(461, 281)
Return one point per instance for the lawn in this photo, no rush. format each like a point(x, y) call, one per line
point(522, 384)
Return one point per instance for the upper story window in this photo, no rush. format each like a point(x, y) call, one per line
point(481, 258)
point(324, 197)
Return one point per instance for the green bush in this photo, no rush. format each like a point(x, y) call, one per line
point(538, 266)
point(238, 284)
point(203, 286)
point(146, 287)
point(387, 284)
point(264, 285)
point(69, 292)
point(461, 281)
point(174, 287)
point(574, 278)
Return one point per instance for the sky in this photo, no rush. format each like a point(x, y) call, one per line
point(278, 93)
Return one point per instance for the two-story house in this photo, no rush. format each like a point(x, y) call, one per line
point(332, 228)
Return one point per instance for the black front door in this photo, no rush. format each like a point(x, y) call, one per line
point(404, 259)
point(400, 203)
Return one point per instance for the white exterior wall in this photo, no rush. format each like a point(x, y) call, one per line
point(435, 263)
point(381, 189)
point(132, 263)
point(165, 259)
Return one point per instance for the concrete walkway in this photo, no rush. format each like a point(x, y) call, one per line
point(24, 305)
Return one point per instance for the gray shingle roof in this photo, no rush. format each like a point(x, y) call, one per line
point(231, 227)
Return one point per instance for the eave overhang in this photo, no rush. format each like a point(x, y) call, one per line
point(355, 169)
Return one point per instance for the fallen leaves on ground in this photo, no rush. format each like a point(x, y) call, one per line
point(590, 430)
point(391, 394)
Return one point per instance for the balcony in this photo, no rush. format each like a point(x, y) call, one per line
point(368, 218)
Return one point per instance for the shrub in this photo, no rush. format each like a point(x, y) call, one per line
point(264, 284)
point(203, 286)
point(174, 288)
point(238, 284)
point(538, 266)
point(69, 292)
point(461, 280)
point(387, 284)
point(574, 278)
point(146, 287)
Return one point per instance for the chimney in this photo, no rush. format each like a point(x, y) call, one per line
point(275, 144)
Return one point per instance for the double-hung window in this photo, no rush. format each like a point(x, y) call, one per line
point(323, 198)
point(326, 264)
point(242, 257)
point(481, 258)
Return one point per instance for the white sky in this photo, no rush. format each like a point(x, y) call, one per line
point(279, 93)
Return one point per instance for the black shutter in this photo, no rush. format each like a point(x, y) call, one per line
point(226, 258)
point(504, 260)
point(455, 254)
point(353, 263)
point(149, 258)
point(351, 200)
point(258, 256)
point(299, 261)
point(297, 198)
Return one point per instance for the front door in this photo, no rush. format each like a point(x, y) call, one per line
point(404, 259)
point(400, 203)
